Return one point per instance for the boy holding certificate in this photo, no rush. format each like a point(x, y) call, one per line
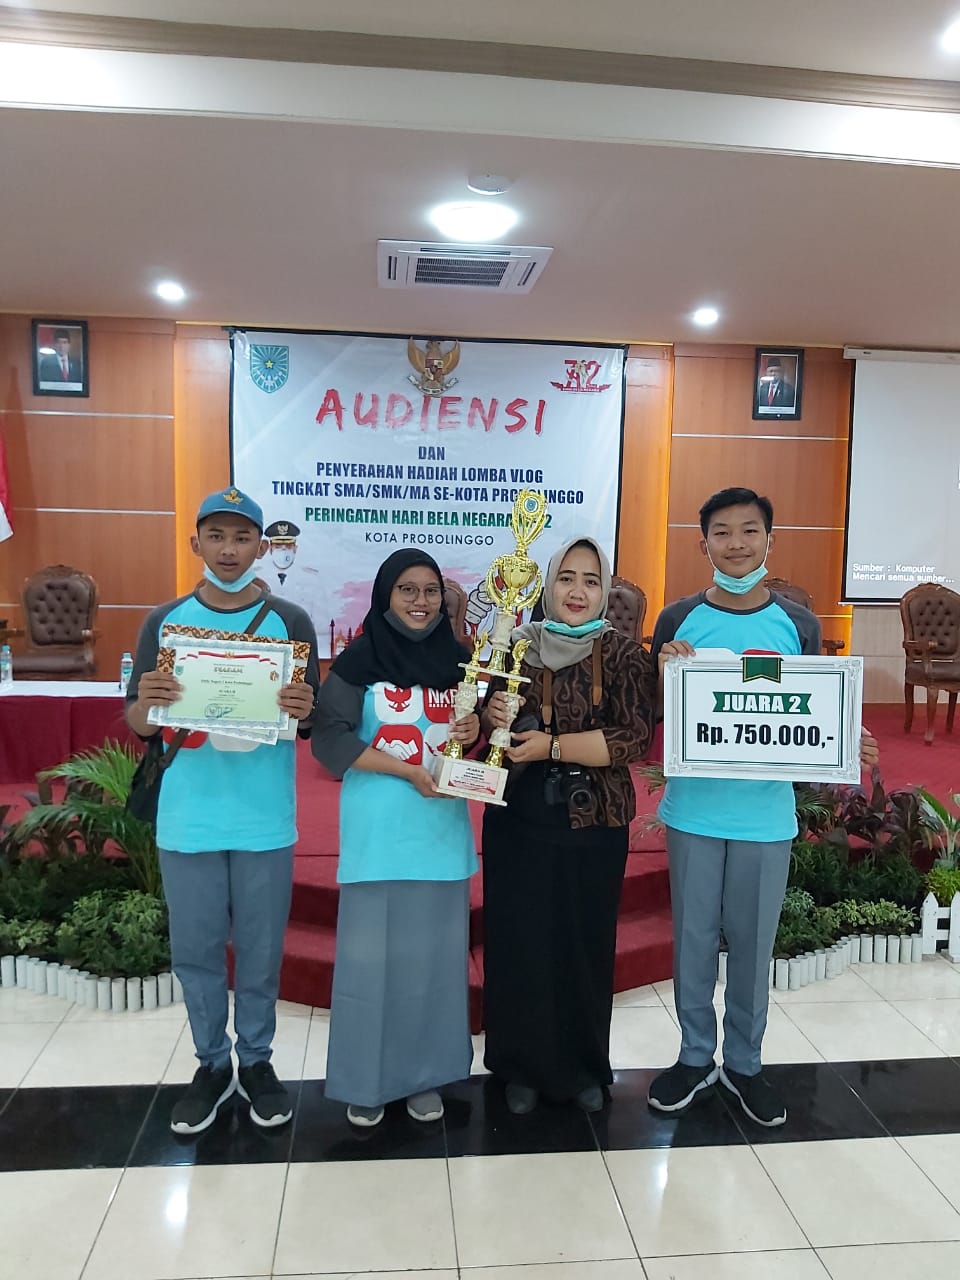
point(729, 840)
point(226, 823)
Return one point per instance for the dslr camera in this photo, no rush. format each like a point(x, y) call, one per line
point(569, 785)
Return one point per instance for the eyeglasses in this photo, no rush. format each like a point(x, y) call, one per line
point(409, 592)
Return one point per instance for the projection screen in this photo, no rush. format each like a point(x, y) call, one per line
point(903, 500)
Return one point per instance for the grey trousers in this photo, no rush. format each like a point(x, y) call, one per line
point(229, 894)
point(736, 886)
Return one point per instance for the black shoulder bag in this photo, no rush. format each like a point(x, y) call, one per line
point(144, 795)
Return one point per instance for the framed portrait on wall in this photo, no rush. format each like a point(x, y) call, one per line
point(777, 382)
point(60, 358)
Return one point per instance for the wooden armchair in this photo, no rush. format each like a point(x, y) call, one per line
point(455, 599)
point(931, 641)
point(626, 607)
point(59, 608)
point(800, 596)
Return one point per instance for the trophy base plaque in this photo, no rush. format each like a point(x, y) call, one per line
point(472, 780)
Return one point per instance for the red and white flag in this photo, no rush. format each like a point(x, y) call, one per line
point(6, 507)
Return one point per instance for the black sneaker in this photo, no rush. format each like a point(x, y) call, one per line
point(521, 1099)
point(197, 1109)
point(757, 1096)
point(680, 1086)
point(590, 1099)
point(269, 1101)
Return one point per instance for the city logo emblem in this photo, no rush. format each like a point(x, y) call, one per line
point(269, 366)
point(433, 366)
point(581, 377)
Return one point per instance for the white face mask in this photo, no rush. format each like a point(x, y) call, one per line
point(232, 588)
point(283, 557)
point(740, 586)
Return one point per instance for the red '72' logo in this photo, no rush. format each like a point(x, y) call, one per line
point(581, 376)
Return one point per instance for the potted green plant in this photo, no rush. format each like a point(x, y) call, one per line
point(940, 913)
point(90, 817)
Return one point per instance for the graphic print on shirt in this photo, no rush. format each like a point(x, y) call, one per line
point(414, 723)
point(392, 705)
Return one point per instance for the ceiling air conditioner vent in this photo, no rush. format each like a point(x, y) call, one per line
point(408, 264)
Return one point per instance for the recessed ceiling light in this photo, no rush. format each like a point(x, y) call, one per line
point(705, 316)
point(950, 40)
point(170, 291)
point(471, 220)
point(488, 184)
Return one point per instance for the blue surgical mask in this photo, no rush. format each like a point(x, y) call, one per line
point(232, 587)
point(740, 586)
point(583, 629)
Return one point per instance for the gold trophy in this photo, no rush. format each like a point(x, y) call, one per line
point(521, 586)
point(522, 582)
point(465, 699)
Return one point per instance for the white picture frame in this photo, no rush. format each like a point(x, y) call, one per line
point(721, 720)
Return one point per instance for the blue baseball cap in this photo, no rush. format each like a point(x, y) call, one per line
point(232, 501)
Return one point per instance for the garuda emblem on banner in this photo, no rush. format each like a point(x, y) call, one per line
point(269, 366)
point(433, 366)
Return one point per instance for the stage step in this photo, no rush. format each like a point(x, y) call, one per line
point(644, 955)
point(306, 975)
point(316, 894)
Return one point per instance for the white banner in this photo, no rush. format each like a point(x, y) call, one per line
point(356, 446)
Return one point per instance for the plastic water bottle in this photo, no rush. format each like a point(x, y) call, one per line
point(6, 667)
point(126, 671)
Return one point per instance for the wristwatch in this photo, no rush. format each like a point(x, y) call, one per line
point(555, 747)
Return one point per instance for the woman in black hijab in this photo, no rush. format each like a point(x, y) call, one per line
point(398, 1022)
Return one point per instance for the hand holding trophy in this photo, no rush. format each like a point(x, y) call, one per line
point(513, 583)
point(500, 739)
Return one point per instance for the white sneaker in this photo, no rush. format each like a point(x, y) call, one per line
point(365, 1117)
point(425, 1106)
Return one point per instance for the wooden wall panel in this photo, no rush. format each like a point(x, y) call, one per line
point(801, 466)
point(154, 437)
point(878, 635)
point(202, 431)
point(804, 479)
point(131, 556)
point(121, 463)
point(714, 393)
point(641, 546)
point(129, 367)
point(92, 478)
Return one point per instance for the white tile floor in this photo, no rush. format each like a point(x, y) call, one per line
point(879, 1207)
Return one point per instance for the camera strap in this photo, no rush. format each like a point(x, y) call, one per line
point(596, 691)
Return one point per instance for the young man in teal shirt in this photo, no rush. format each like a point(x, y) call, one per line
point(729, 840)
point(226, 825)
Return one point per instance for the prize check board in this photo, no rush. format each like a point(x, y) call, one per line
point(762, 716)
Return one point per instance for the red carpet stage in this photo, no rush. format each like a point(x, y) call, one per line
point(643, 941)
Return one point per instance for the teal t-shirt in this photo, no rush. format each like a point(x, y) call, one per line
point(388, 830)
point(735, 808)
point(221, 793)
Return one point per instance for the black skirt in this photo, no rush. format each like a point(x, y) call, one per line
point(550, 901)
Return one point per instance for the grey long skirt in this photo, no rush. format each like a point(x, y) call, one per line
point(399, 1021)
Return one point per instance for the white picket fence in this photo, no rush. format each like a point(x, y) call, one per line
point(110, 995)
point(941, 924)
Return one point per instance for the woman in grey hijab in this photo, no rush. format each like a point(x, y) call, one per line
point(554, 858)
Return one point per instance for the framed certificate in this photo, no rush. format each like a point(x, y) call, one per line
point(230, 684)
point(793, 719)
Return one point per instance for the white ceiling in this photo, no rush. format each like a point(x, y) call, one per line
point(274, 221)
